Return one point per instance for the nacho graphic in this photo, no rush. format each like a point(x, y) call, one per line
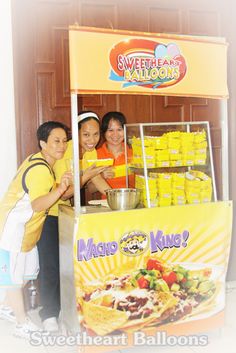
point(156, 294)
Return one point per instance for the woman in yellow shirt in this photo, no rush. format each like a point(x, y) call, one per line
point(48, 246)
point(22, 213)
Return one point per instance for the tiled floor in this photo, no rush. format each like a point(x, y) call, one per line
point(219, 341)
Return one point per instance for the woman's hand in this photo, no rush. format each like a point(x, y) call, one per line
point(46, 201)
point(108, 173)
point(91, 172)
point(66, 181)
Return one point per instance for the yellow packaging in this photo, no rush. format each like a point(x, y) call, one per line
point(164, 201)
point(149, 141)
point(178, 178)
point(176, 201)
point(173, 134)
point(199, 136)
point(188, 153)
point(205, 180)
point(136, 162)
point(153, 195)
point(98, 162)
point(160, 164)
point(178, 163)
point(200, 159)
point(178, 194)
point(120, 170)
point(177, 187)
point(192, 184)
point(164, 194)
point(135, 141)
point(175, 157)
point(140, 180)
point(200, 145)
point(164, 176)
point(173, 143)
point(187, 137)
point(164, 184)
point(188, 162)
point(150, 163)
point(186, 148)
point(193, 192)
point(149, 151)
point(205, 196)
point(153, 203)
point(193, 199)
point(136, 150)
point(200, 151)
point(160, 143)
point(162, 155)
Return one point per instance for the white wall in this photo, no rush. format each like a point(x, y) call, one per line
point(8, 158)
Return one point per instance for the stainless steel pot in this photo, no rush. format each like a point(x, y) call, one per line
point(123, 199)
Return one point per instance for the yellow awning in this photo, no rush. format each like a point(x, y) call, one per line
point(121, 62)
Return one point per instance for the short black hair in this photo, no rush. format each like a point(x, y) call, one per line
point(46, 128)
point(118, 116)
point(88, 118)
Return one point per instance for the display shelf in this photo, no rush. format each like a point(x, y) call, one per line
point(168, 149)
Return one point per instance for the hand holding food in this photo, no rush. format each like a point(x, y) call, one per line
point(91, 172)
point(66, 181)
point(108, 173)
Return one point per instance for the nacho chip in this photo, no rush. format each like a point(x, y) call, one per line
point(93, 285)
point(166, 301)
point(120, 301)
point(136, 325)
point(103, 320)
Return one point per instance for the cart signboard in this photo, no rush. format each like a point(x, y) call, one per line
point(149, 270)
point(112, 61)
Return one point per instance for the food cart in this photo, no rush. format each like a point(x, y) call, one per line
point(153, 269)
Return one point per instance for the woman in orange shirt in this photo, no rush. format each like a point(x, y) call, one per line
point(112, 129)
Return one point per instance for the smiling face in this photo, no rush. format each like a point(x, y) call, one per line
point(55, 146)
point(115, 133)
point(89, 135)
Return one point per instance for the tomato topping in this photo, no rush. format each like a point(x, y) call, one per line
point(170, 277)
point(183, 280)
point(154, 264)
point(143, 282)
point(207, 272)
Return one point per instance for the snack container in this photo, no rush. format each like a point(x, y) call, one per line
point(200, 144)
point(199, 136)
point(162, 155)
point(106, 162)
point(160, 143)
point(120, 170)
point(178, 163)
point(161, 164)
